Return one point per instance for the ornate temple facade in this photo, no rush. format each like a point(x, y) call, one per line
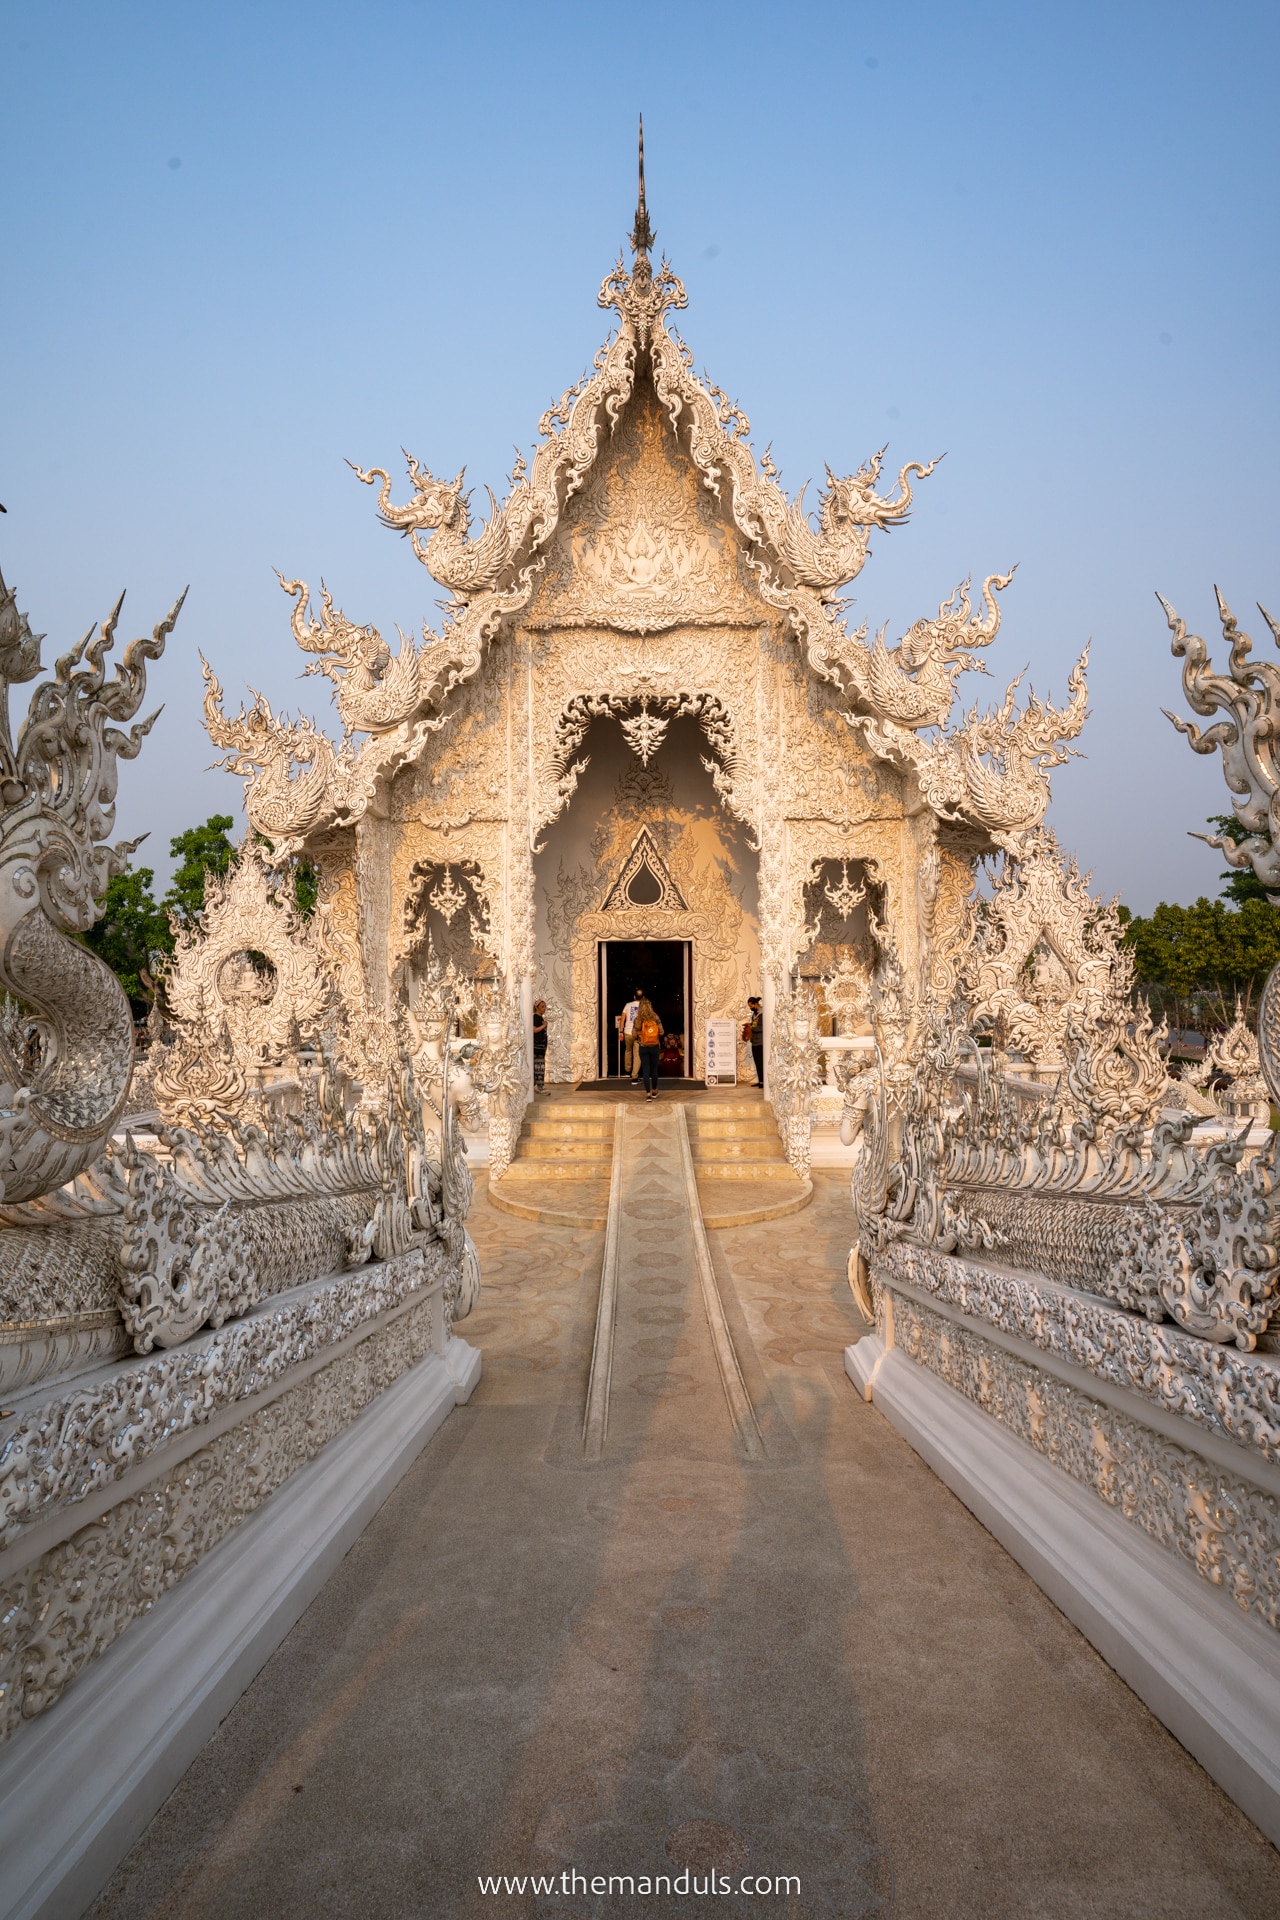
point(233, 1268)
point(646, 720)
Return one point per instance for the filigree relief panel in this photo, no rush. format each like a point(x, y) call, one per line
point(118, 1565)
point(1225, 1528)
point(711, 672)
point(644, 546)
point(826, 773)
point(874, 845)
point(463, 770)
point(477, 851)
point(946, 891)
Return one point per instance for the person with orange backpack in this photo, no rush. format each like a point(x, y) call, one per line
point(649, 1034)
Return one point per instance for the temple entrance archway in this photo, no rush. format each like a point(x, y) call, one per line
point(664, 970)
point(645, 856)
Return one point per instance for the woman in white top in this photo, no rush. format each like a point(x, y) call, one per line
point(630, 1045)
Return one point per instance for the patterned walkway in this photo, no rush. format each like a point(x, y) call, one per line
point(811, 1662)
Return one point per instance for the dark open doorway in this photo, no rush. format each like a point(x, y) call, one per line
point(662, 969)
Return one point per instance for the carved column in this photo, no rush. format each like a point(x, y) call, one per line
point(772, 874)
point(373, 878)
point(522, 836)
point(766, 1024)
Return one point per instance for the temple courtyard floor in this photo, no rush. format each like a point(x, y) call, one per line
point(785, 1653)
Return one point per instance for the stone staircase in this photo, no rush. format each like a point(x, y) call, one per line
point(562, 1163)
point(742, 1171)
point(564, 1157)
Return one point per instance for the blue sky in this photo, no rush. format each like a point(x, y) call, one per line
point(244, 243)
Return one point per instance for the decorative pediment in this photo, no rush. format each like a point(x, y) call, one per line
point(644, 510)
point(251, 967)
point(644, 546)
point(645, 880)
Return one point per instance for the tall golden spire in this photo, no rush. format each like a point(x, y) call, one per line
point(642, 234)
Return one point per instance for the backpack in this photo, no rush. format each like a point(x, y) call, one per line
point(650, 1033)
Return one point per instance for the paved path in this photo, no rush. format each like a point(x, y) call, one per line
point(811, 1662)
point(663, 1356)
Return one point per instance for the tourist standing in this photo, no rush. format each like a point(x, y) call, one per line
point(630, 1045)
point(649, 1034)
point(539, 1044)
point(755, 1022)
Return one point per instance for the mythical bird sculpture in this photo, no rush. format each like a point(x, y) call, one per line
point(440, 508)
point(280, 802)
point(849, 509)
point(66, 1049)
point(374, 689)
point(913, 683)
point(992, 770)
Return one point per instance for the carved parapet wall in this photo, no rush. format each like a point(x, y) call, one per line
point(202, 1312)
point(105, 1543)
point(1132, 1468)
point(183, 1228)
point(1092, 1177)
point(201, 1439)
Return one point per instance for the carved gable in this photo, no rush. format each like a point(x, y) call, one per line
point(645, 546)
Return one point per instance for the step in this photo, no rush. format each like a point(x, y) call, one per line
point(728, 1203)
point(563, 1150)
point(753, 1148)
point(744, 1170)
point(540, 1109)
point(539, 1129)
point(752, 1109)
point(762, 1129)
point(558, 1170)
point(584, 1204)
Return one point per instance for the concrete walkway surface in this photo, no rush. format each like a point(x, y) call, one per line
point(793, 1656)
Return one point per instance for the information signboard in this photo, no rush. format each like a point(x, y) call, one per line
point(722, 1053)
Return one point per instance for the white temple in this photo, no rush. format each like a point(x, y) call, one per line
point(647, 721)
point(646, 749)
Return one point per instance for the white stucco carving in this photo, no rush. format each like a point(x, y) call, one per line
point(65, 1059)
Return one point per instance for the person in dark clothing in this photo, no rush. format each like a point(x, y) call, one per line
point(756, 1020)
point(539, 1043)
point(649, 1034)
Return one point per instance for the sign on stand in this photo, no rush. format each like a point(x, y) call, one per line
point(722, 1053)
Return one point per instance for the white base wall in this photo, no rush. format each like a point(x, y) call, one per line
point(78, 1785)
point(826, 1149)
point(1210, 1673)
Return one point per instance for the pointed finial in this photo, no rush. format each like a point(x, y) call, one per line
point(642, 234)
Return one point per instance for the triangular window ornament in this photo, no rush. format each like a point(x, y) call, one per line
point(645, 879)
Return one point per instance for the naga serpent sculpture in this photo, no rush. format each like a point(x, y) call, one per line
point(66, 1029)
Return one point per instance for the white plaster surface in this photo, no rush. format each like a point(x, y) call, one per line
point(826, 1149)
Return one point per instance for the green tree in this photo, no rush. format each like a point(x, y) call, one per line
point(1191, 962)
point(198, 851)
point(306, 887)
point(133, 930)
